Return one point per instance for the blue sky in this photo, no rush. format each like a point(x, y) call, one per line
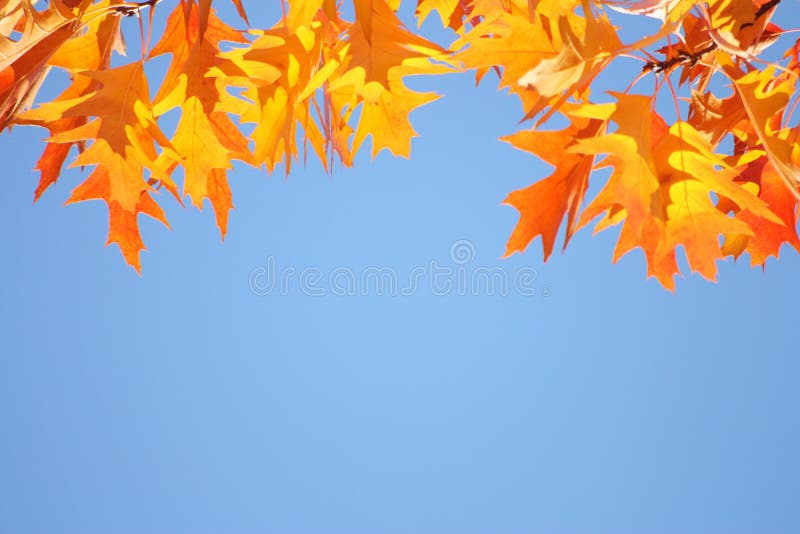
point(182, 401)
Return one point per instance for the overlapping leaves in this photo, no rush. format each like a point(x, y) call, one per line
point(716, 175)
point(672, 185)
point(313, 81)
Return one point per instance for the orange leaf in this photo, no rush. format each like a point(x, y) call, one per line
point(123, 135)
point(661, 189)
point(768, 235)
point(763, 99)
point(542, 206)
point(88, 51)
point(452, 12)
point(206, 139)
point(22, 61)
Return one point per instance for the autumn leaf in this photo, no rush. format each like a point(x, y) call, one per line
point(742, 28)
point(90, 50)
point(123, 136)
point(206, 139)
point(383, 53)
point(23, 60)
point(579, 60)
point(509, 40)
point(384, 115)
point(661, 191)
point(282, 72)
point(763, 100)
point(768, 235)
point(542, 206)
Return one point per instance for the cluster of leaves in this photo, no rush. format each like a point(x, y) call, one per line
point(721, 178)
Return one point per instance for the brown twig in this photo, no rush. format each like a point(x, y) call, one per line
point(133, 8)
point(682, 57)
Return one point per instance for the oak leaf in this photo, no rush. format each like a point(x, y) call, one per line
point(543, 205)
point(123, 137)
point(23, 60)
point(661, 190)
point(206, 139)
point(89, 50)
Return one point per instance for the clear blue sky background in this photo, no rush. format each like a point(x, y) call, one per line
point(182, 402)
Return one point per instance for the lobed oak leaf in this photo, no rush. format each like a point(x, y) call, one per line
point(579, 61)
point(693, 173)
point(280, 71)
point(385, 117)
point(661, 190)
point(509, 41)
point(23, 61)
point(379, 54)
point(123, 136)
point(635, 179)
point(206, 139)
point(89, 50)
point(544, 204)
